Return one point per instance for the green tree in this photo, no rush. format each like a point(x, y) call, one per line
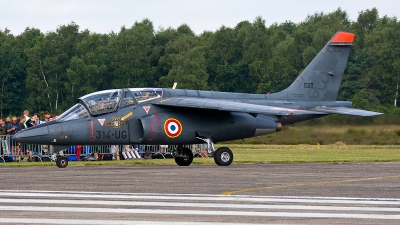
point(185, 63)
point(12, 75)
point(87, 69)
point(48, 61)
point(188, 70)
point(223, 62)
point(359, 75)
point(279, 75)
point(383, 42)
point(132, 50)
point(366, 22)
point(255, 51)
point(364, 99)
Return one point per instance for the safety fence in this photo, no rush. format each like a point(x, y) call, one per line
point(13, 151)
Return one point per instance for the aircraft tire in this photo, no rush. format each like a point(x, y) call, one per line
point(62, 162)
point(158, 156)
point(187, 160)
point(57, 160)
point(223, 156)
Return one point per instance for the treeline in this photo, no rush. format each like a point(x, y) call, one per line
point(49, 71)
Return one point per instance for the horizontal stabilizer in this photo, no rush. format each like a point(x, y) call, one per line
point(346, 111)
point(224, 105)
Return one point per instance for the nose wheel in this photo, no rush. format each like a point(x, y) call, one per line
point(62, 162)
point(223, 156)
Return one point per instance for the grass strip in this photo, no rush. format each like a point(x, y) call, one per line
point(253, 154)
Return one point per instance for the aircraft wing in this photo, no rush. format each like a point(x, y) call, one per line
point(225, 105)
point(346, 111)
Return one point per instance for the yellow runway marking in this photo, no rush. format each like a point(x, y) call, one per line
point(308, 184)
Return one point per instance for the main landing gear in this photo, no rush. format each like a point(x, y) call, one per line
point(222, 156)
point(184, 156)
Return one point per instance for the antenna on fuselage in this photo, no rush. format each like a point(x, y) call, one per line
point(174, 86)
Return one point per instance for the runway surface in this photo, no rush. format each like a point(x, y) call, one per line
point(239, 194)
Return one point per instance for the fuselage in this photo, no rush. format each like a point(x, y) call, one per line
point(129, 117)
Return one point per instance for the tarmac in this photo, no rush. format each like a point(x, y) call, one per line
point(346, 193)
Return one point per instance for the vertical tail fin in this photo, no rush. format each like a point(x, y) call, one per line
point(320, 80)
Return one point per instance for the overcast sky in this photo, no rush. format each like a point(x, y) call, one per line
point(102, 16)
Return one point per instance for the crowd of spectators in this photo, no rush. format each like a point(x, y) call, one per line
point(12, 125)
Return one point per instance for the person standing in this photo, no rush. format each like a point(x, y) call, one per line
point(8, 121)
point(13, 128)
point(47, 116)
point(34, 121)
point(22, 120)
point(27, 118)
point(22, 126)
point(24, 149)
point(3, 128)
point(37, 119)
point(3, 133)
point(31, 122)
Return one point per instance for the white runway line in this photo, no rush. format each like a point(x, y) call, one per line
point(107, 222)
point(198, 212)
point(198, 205)
point(275, 199)
point(205, 205)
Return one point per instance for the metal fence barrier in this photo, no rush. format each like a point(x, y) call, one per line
point(11, 151)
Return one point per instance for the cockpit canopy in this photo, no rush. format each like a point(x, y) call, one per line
point(146, 94)
point(108, 101)
point(102, 101)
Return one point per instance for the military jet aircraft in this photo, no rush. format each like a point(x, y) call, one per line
point(165, 116)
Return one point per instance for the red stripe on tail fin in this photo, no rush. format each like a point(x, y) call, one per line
point(343, 37)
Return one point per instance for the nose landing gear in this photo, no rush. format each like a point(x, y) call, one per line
point(62, 162)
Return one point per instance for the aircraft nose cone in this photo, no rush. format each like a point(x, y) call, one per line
point(31, 135)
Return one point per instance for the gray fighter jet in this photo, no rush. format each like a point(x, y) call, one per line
point(163, 116)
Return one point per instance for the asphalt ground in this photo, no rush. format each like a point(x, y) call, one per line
point(250, 194)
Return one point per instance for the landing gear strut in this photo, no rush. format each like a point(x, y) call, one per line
point(184, 156)
point(222, 156)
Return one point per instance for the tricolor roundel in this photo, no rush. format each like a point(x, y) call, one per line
point(172, 128)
